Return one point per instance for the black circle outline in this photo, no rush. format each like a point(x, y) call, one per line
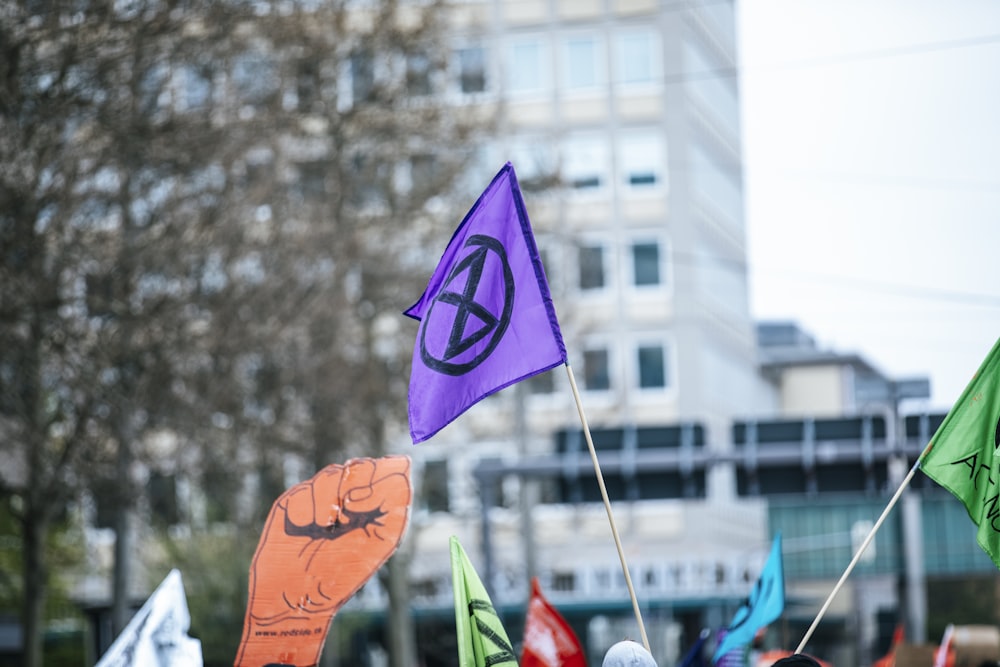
point(487, 243)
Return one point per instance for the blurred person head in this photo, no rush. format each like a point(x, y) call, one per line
point(796, 660)
point(628, 653)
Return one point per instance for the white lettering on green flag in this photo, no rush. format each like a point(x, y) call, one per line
point(962, 455)
point(482, 641)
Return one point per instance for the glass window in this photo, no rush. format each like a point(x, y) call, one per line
point(652, 367)
point(596, 370)
point(162, 495)
point(641, 160)
point(543, 383)
point(418, 74)
point(646, 263)
point(637, 53)
point(307, 85)
point(435, 486)
point(536, 162)
point(591, 260)
point(582, 65)
point(585, 163)
point(362, 76)
point(312, 180)
point(527, 66)
point(471, 69)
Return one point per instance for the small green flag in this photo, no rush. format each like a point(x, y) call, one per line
point(962, 455)
point(482, 641)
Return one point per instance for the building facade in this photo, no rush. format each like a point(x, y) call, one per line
point(622, 121)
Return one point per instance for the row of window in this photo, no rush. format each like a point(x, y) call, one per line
point(586, 163)
point(645, 260)
point(580, 62)
point(522, 65)
point(648, 369)
point(589, 162)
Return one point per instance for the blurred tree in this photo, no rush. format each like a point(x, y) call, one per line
point(211, 215)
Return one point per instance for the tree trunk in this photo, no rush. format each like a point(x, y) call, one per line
point(36, 529)
point(120, 610)
point(401, 633)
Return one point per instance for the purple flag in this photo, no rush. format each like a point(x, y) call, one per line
point(486, 317)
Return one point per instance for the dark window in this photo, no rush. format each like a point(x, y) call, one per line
point(642, 178)
point(646, 263)
point(543, 383)
point(591, 259)
point(162, 494)
point(418, 75)
point(435, 486)
point(312, 180)
point(471, 69)
point(652, 367)
point(596, 375)
point(362, 77)
point(563, 581)
point(308, 85)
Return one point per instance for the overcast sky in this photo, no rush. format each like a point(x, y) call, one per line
point(871, 133)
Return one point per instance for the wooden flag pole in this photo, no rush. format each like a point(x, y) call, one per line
point(861, 550)
point(607, 505)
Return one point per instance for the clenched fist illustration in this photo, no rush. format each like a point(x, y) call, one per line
point(323, 539)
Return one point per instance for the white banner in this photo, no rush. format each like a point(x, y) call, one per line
point(157, 634)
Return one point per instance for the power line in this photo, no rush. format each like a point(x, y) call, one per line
point(889, 52)
point(850, 282)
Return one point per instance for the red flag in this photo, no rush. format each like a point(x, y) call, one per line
point(889, 659)
point(548, 639)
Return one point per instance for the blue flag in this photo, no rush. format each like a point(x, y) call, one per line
point(765, 604)
point(486, 318)
point(696, 654)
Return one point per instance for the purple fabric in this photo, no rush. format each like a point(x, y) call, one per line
point(486, 317)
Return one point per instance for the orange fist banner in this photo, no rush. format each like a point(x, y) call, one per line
point(323, 539)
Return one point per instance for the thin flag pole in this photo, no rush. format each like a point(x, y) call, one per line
point(861, 550)
point(607, 504)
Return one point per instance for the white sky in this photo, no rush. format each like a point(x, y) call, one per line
point(871, 133)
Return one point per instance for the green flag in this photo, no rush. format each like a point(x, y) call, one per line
point(482, 641)
point(962, 455)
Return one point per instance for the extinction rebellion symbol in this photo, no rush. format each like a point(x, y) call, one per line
point(473, 320)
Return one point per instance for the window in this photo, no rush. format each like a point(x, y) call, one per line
point(596, 370)
point(471, 62)
point(418, 74)
point(536, 163)
point(652, 367)
point(527, 66)
point(585, 163)
point(645, 263)
point(637, 57)
point(307, 85)
point(162, 495)
point(564, 581)
point(435, 486)
point(543, 383)
point(582, 63)
point(312, 180)
point(362, 77)
point(641, 160)
point(591, 264)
